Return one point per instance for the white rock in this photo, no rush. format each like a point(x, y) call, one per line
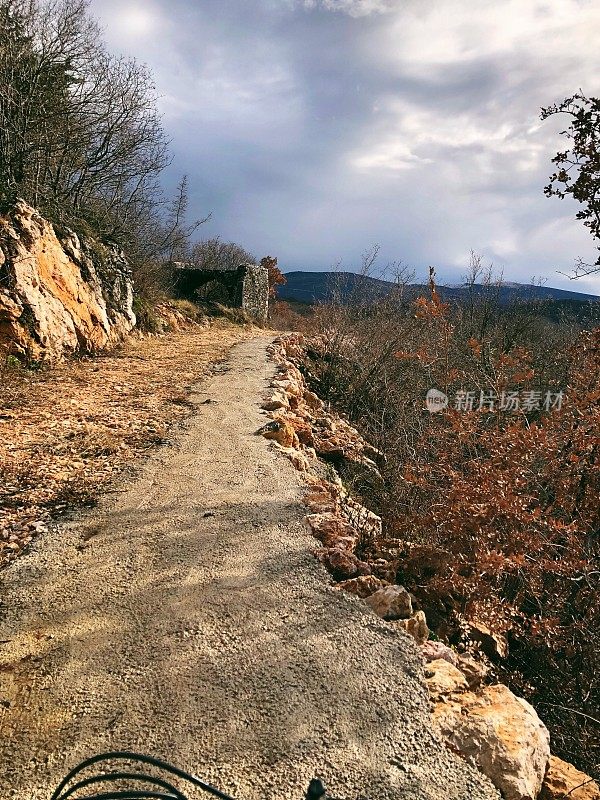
point(276, 401)
point(432, 651)
point(416, 626)
point(504, 736)
point(391, 602)
point(59, 302)
point(443, 678)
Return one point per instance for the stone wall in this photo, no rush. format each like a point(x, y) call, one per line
point(246, 287)
point(59, 293)
point(252, 291)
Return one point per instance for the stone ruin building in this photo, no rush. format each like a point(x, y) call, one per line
point(245, 286)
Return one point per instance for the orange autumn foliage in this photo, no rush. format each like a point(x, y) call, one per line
point(492, 515)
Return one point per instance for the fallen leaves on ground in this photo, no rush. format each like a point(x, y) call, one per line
point(67, 431)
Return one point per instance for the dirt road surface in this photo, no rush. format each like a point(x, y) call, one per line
point(189, 620)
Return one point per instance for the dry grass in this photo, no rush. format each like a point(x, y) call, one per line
point(66, 432)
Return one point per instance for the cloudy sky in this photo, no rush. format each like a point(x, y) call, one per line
point(313, 129)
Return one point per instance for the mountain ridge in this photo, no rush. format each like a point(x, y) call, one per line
point(311, 287)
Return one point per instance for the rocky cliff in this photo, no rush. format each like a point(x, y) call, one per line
point(59, 293)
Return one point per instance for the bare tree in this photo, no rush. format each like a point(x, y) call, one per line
point(213, 254)
point(80, 133)
point(175, 241)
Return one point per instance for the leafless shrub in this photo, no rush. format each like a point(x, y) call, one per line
point(493, 515)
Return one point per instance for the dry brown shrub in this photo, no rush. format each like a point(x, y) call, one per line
point(495, 515)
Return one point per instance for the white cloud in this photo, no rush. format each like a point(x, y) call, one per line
point(355, 8)
point(427, 38)
point(203, 78)
point(415, 124)
point(474, 131)
point(412, 134)
point(138, 22)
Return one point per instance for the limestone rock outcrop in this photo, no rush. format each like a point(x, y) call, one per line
point(342, 564)
point(416, 626)
point(563, 781)
point(444, 679)
point(433, 651)
point(362, 586)
point(279, 431)
point(492, 644)
point(59, 293)
point(501, 732)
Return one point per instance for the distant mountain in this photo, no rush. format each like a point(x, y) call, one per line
point(311, 287)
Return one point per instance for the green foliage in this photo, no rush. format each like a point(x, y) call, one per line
point(147, 319)
point(577, 172)
point(23, 363)
point(12, 362)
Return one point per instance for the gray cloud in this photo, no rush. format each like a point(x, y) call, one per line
point(313, 129)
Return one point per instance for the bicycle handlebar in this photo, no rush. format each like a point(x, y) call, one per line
point(74, 783)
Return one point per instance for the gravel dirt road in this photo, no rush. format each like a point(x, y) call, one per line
point(189, 620)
